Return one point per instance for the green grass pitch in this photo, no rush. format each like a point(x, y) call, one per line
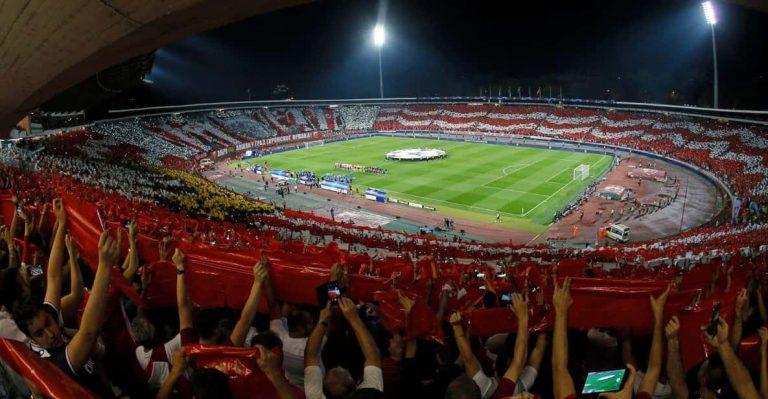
point(476, 180)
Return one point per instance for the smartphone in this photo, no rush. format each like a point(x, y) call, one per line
point(604, 381)
point(334, 292)
point(482, 288)
point(506, 297)
point(501, 275)
point(480, 275)
point(712, 329)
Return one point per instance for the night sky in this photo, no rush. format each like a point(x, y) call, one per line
point(625, 50)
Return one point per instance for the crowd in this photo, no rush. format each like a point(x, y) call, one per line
point(431, 330)
point(225, 297)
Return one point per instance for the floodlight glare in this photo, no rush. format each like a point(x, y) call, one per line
point(378, 35)
point(709, 12)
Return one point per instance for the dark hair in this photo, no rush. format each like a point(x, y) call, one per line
point(210, 384)
point(489, 300)
point(462, 388)
point(24, 313)
point(205, 323)
point(267, 339)
point(298, 319)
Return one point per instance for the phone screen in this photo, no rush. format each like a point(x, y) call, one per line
point(604, 381)
point(334, 292)
point(506, 297)
point(480, 275)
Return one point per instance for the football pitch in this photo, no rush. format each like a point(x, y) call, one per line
point(526, 186)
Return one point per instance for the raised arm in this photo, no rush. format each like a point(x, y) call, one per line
point(520, 307)
point(251, 305)
point(79, 349)
point(179, 364)
point(742, 303)
point(270, 365)
point(763, 362)
point(183, 302)
point(71, 301)
point(675, 371)
point(364, 338)
point(56, 260)
point(563, 383)
point(738, 375)
point(657, 346)
point(471, 364)
point(537, 354)
point(315, 341)
point(133, 253)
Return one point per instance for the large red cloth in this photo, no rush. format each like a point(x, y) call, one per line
point(52, 382)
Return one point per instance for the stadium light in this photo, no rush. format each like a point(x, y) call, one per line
point(378, 41)
point(709, 12)
point(711, 17)
point(378, 35)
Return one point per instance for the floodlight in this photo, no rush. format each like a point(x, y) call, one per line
point(378, 35)
point(709, 12)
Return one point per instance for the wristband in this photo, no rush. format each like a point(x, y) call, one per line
point(180, 271)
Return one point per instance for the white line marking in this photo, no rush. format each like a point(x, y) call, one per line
point(560, 189)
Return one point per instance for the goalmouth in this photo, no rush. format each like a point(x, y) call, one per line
point(581, 172)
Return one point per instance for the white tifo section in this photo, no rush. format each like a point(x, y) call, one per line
point(415, 154)
point(581, 172)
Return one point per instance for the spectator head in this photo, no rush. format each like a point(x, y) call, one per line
point(711, 374)
point(338, 383)
point(210, 384)
point(489, 300)
point(300, 323)
point(462, 388)
point(206, 324)
point(269, 340)
point(143, 331)
point(39, 323)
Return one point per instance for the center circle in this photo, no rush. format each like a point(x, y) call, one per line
point(416, 154)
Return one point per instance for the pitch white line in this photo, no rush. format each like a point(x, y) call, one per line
point(560, 189)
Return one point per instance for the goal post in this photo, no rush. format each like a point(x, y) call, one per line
point(581, 172)
point(315, 143)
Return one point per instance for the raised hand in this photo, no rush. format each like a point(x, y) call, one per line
point(348, 309)
point(520, 305)
point(562, 296)
point(721, 337)
point(260, 272)
point(742, 301)
point(58, 210)
point(109, 250)
point(673, 328)
point(657, 304)
point(179, 259)
point(455, 318)
point(71, 247)
point(268, 362)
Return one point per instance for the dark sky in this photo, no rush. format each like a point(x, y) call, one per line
point(640, 50)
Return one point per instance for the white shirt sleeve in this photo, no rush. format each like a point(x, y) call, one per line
point(373, 377)
point(526, 380)
point(313, 382)
point(172, 346)
point(487, 385)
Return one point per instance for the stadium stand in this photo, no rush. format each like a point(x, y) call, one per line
point(216, 292)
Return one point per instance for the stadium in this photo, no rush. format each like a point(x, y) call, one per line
point(411, 246)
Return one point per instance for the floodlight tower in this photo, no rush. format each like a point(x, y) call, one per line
point(378, 41)
point(711, 17)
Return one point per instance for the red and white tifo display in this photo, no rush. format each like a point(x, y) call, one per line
point(416, 154)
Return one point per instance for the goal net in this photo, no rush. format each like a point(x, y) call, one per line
point(581, 172)
point(314, 143)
